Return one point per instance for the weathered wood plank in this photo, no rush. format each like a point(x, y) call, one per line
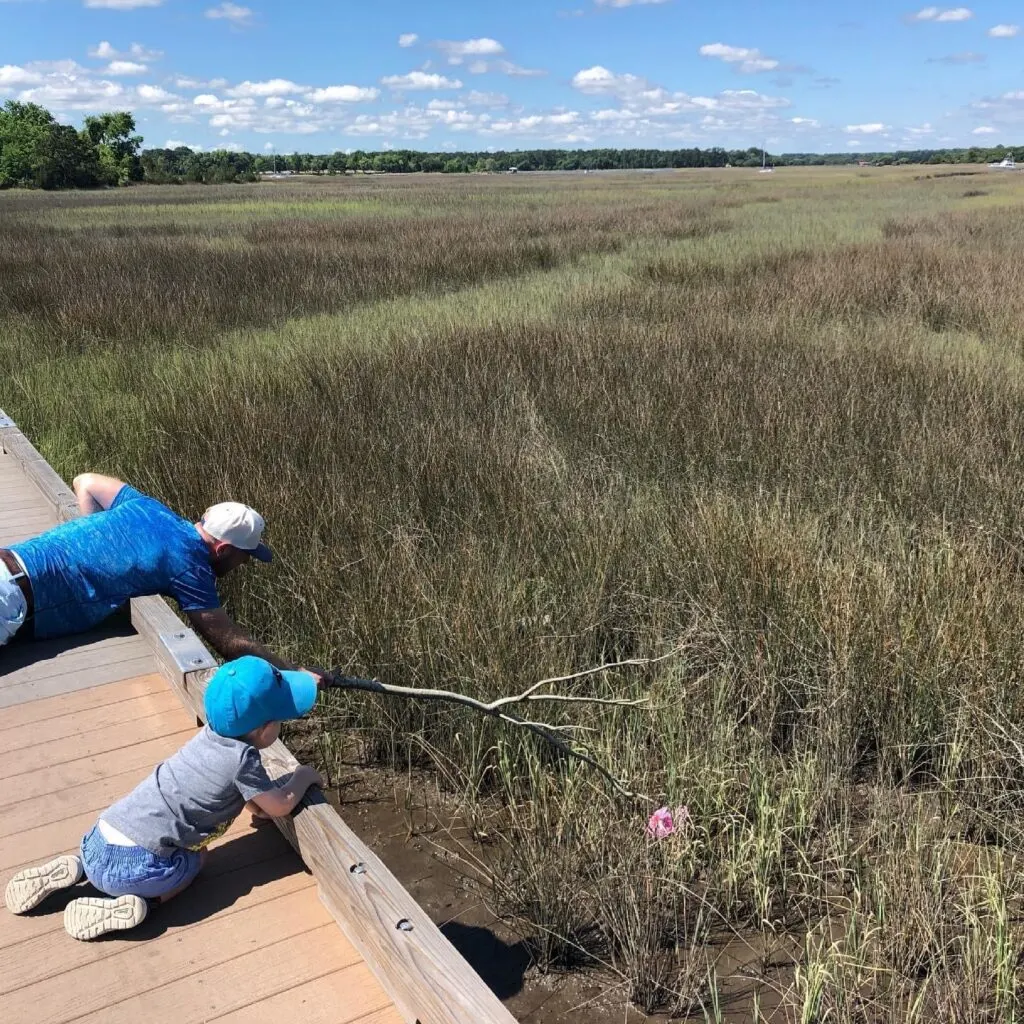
point(45, 842)
point(327, 1000)
point(105, 974)
point(72, 659)
point(10, 537)
point(238, 983)
point(417, 966)
point(87, 720)
point(17, 499)
point(70, 682)
point(70, 704)
point(97, 741)
point(51, 486)
point(53, 807)
point(36, 970)
point(28, 521)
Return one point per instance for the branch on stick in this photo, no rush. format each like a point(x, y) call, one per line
point(553, 734)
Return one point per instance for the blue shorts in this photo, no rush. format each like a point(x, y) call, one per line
point(133, 871)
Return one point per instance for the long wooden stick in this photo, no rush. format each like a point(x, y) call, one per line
point(497, 708)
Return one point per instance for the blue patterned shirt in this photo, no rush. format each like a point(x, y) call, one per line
point(85, 569)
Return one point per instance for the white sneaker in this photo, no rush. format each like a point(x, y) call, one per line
point(91, 916)
point(28, 888)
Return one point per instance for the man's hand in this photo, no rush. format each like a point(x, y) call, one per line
point(324, 677)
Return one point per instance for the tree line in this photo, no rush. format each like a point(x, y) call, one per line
point(36, 151)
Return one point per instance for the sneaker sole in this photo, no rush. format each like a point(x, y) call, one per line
point(90, 917)
point(30, 887)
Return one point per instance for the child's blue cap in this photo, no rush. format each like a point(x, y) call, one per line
point(249, 692)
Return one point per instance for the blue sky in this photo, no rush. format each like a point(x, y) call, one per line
point(318, 76)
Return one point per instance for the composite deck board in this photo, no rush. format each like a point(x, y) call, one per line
point(67, 706)
point(91, 719)
point(112, 673)
point(81, 721)
point(97, 741)
point(68, 779)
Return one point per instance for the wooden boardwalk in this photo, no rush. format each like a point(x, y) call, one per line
point(250, 941)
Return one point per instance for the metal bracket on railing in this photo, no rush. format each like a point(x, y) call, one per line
point(5, 420)
point(188, 651)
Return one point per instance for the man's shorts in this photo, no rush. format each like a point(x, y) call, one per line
point(134, 871)
point(12, 606)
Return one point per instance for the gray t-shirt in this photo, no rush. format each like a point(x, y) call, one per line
point(191, 798)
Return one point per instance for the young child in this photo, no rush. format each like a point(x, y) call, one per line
point(150, 845)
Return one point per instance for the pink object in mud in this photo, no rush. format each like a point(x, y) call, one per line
point(662, 823)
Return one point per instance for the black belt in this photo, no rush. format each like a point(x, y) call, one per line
point(8, 559)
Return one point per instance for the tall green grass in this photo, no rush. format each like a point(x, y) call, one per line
point(507, 429)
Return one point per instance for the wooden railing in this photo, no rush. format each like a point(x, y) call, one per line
point(415, 964)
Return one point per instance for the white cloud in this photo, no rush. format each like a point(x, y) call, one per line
point(408, 39)
point(136, 52)
point(342, 94)
point(177, 144)
point(125, 67)
point(925, 129)
point(154, 94)
point(504, 67)
point(123, 5)
point(12, 74)
point(809, 121)
point(866, 129)
point(599, 80)
point(940, 14)
point(626, 3)
point(65, 85)
point(650, 111)
point(273, 87)
point(183, 82)
point(456, 50)
point(420, 80)
point(748, 60)
point(487, 99)
point(985, 130)
point(1004, 31)
point(234, 13)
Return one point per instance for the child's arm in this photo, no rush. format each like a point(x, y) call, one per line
point(281, 801)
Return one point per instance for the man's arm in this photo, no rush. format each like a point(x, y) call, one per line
point(95, 493)
point(229, 639)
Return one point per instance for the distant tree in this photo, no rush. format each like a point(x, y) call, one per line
point(25, 129)
point(65, 160)
point(116, 147)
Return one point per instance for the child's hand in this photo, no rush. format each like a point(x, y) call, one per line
point(311, 776)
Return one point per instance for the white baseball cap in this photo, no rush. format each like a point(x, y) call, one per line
point(238, 525)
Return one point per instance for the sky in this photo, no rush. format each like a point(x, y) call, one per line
point(318, 76)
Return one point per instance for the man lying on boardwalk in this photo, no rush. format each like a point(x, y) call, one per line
point(150, 845)
point(127, 545)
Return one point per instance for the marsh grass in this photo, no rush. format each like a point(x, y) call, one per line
point(505, 429)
